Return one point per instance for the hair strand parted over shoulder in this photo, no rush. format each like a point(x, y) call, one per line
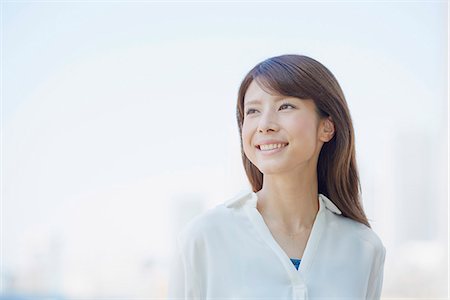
point(303, 77)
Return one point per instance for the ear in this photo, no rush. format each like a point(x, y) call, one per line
point(326, 129)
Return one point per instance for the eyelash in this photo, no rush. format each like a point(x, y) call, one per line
point(284, 104)
point(288, 104)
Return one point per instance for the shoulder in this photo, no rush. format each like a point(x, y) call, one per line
point(348, 230)
point(211, 221)
point(354, 231)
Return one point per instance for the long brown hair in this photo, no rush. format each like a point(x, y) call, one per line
point(303, 77)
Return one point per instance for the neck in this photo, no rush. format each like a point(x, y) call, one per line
point(289, 200)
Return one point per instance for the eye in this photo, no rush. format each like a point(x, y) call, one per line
point(250, 111)
point(286, 105)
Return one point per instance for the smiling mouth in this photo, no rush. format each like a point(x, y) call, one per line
point(270, 147)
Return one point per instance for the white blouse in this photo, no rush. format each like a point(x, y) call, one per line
point(228, 252)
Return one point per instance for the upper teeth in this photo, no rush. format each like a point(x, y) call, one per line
point(271, 146)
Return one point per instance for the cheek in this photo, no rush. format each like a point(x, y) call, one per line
point(305, 129)
point(246, 137)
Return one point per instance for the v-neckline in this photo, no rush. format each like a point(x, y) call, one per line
point(311, 245)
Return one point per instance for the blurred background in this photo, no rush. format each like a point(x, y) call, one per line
point(118, 126)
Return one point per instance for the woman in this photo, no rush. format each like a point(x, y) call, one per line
point(302, 233)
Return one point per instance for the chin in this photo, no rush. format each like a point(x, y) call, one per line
point(272, 170)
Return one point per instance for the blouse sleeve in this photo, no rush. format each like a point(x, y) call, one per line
point(376, 277)
point(181, 276)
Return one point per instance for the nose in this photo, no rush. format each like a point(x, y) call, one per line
point(267, 122)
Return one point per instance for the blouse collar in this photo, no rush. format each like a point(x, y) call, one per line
point(250, 198)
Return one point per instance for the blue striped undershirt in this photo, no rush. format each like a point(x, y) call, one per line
point(296, 262)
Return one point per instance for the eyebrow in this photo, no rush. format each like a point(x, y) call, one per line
point(257, 101)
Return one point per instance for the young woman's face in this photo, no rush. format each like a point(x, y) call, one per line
point(280, 133)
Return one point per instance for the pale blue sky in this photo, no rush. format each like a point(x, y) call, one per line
point(39, 38)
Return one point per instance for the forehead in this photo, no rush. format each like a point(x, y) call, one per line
point(255, 93)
